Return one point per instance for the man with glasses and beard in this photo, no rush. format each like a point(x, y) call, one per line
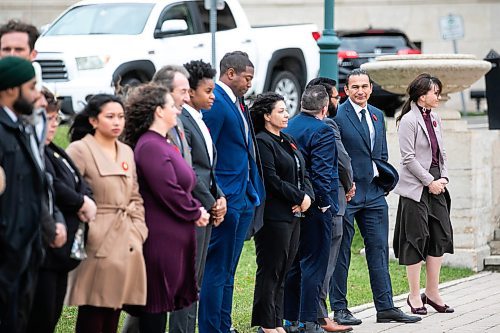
point(21, 206)
point(346, 191)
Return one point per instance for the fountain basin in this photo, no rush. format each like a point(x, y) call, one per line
point(456, 71)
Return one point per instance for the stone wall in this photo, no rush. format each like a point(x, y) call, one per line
point(474, 169)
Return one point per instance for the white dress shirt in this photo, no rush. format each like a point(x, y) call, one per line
point(371, 128)
point(198, 118)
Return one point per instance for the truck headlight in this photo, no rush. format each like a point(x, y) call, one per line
point(91, 62)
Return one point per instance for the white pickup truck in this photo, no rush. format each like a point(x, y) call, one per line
point(95, 45)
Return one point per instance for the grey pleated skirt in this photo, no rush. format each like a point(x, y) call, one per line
point(423, 228)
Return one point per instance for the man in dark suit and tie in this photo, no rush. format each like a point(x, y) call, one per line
point(237, 174)
point(204, 157)
point(316, 141)
point(362, 129)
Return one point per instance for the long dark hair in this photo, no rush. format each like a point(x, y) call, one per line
point(263, 104)
point(81, 125)
point(140, 110)
point(419, 87)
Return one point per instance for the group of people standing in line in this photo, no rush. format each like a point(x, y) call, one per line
point(170, 180)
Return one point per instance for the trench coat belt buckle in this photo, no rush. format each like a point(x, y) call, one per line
point(109, 241)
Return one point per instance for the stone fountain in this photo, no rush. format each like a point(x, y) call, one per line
point(474, 170)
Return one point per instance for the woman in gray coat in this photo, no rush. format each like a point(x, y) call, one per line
point(423, 229)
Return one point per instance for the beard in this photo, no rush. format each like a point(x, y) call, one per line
point(332, 111)
point(22, 105)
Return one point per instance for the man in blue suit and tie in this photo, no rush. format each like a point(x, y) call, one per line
point(362, 130)
point(237, 174)
point(316, 142)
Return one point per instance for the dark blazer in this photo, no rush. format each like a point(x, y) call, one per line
point(317, 144)
point(206, 189)
point(345, 169)
point(69, 189)
point(21, 247)
point(357, 144)
point(281, 177)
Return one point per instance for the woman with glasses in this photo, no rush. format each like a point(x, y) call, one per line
point(166, 184)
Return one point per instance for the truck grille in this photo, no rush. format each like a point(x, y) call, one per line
point(53, 70)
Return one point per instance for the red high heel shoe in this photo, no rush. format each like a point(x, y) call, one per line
point(439, 308)
point(420, 311)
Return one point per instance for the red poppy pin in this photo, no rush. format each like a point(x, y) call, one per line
point(434, 123)
point(177, 148)
point(181, 134)
point(294, 147)
point(124, 166)
point(374, 117)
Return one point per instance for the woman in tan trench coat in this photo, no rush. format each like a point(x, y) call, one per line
point(113, 275)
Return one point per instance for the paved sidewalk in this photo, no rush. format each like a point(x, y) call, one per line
point(476, 301)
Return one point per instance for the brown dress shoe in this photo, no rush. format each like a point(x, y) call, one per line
point(331, 326)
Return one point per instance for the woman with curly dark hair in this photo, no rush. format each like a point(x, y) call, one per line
point(288, 195)
point(166, 182)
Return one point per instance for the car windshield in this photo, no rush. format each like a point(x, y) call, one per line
point(103, 19)
point(368, 44)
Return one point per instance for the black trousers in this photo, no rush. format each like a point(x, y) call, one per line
point(276, 245)
point(92, 319)
point(48, 302)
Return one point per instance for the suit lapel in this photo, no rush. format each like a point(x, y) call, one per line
point(197, 132)
point(105, 166)
point(420, 121)
point(232, 106)
point(353, 117)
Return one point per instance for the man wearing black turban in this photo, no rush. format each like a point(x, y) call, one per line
point(21, 249)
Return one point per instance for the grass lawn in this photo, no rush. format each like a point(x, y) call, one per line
point(358, 283)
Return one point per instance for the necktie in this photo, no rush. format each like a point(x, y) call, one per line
point(364, 124)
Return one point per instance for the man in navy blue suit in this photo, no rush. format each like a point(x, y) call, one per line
point(316, 142)
point(362, 130)
point(237, 174)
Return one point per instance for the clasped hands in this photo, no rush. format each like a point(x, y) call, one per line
point(306, 203)
point(218, 211)
point(438, 186)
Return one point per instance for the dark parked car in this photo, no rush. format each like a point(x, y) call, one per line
point(358, 47)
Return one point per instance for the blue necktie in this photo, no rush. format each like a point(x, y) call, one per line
point(364, 124)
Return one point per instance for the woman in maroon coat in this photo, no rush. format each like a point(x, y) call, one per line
point(165, 182)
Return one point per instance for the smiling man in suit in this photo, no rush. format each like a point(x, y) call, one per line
point(362, 130)
point(237, 173)
point(204, 157)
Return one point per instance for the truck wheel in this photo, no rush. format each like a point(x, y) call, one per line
point(287, 85)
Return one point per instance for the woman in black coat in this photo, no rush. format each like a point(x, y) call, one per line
point(72, 197)
point(288, 195)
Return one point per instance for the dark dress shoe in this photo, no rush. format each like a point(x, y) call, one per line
point(439, 308)
point(312, 327)
point(345, 317)
point(395, 314)
point(420, 311)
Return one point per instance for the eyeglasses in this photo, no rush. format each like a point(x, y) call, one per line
point(336, 97)
point(54, 118)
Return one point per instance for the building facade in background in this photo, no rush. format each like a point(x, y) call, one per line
point(418, 18)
